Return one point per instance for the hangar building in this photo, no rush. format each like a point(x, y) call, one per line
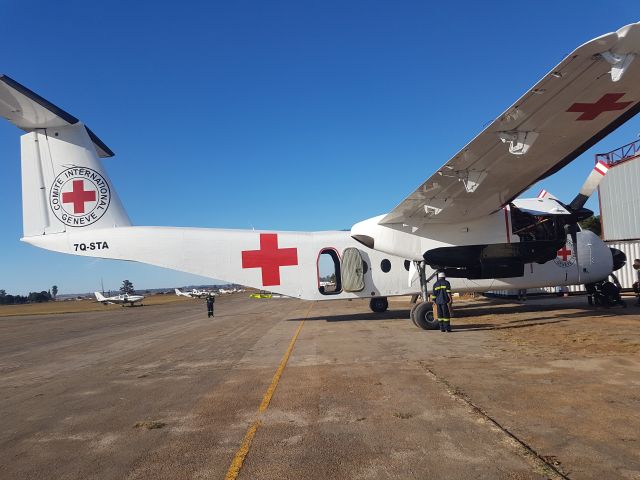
point(619, 195)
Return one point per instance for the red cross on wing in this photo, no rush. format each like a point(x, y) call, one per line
point(607, 103)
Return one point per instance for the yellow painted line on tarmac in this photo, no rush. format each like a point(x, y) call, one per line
point(238, 459)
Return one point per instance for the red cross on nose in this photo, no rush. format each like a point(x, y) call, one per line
point(564, 253)
point(607, 103)
point(78, 196)
point(269, 258)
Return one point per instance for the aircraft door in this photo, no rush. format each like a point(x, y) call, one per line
point(352, 270)
point(329, 272)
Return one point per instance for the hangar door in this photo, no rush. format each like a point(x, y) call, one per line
point(352, 270)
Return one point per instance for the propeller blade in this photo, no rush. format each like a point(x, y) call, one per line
point(589, 186)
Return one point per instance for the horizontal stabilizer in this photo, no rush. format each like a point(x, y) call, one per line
point(29, 111)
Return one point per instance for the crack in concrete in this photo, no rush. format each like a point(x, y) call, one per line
point(526, 450)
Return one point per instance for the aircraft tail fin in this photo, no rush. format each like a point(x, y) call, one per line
point(64, 185)
point(99, 296)
point(179, 293)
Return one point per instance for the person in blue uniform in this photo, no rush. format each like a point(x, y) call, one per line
point(442, 297)
point(210, 300)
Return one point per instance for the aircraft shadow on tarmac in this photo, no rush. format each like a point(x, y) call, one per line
point(493, 308)
point(368, 316)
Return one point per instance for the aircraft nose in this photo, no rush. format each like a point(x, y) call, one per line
point(619, 258)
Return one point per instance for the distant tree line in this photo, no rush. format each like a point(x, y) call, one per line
point(33, 297)
point(329, 278)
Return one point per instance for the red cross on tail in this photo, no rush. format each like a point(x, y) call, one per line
point(78, 196)
point(607, 103)
point(270, 258)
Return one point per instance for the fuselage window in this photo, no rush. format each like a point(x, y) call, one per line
point(329, 278)
point(385, 265)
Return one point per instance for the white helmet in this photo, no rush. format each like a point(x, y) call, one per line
point(441, 275)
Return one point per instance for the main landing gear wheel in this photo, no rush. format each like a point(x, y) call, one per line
point(379, 304)
point(422, 316)
point(413, 312)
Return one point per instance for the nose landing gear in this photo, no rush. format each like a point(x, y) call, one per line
point(604, 293)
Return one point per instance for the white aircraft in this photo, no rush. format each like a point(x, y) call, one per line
point(194, 293)
point(465, 219)
point(229, 290)
point(119, 299)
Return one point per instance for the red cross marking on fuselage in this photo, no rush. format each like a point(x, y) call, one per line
point(78, 196)
point(564, 253)
point(270, 258)
point(607, 103)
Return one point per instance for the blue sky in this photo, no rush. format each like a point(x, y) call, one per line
point(276, 115)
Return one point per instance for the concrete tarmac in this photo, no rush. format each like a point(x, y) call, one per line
point(544, 389)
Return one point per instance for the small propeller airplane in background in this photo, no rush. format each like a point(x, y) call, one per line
point(225, 291)
point(194, 293)
point(122, 299)
point(466, 219)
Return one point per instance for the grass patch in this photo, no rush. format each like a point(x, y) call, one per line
point(72, 306)
point(150, 424)
point(403, 415)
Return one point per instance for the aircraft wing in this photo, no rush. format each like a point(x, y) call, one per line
point(594, 90)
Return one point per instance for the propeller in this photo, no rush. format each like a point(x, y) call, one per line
point(593, 180)
point(576, 207)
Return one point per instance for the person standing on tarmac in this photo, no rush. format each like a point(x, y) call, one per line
point(636, 284)
point(210, 300)
point(443, 299)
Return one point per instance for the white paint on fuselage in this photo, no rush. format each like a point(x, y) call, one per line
point(217, 253)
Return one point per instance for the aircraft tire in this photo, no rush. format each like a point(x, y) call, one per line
point(379, 304)
point(423, 317)
point(412, 314)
